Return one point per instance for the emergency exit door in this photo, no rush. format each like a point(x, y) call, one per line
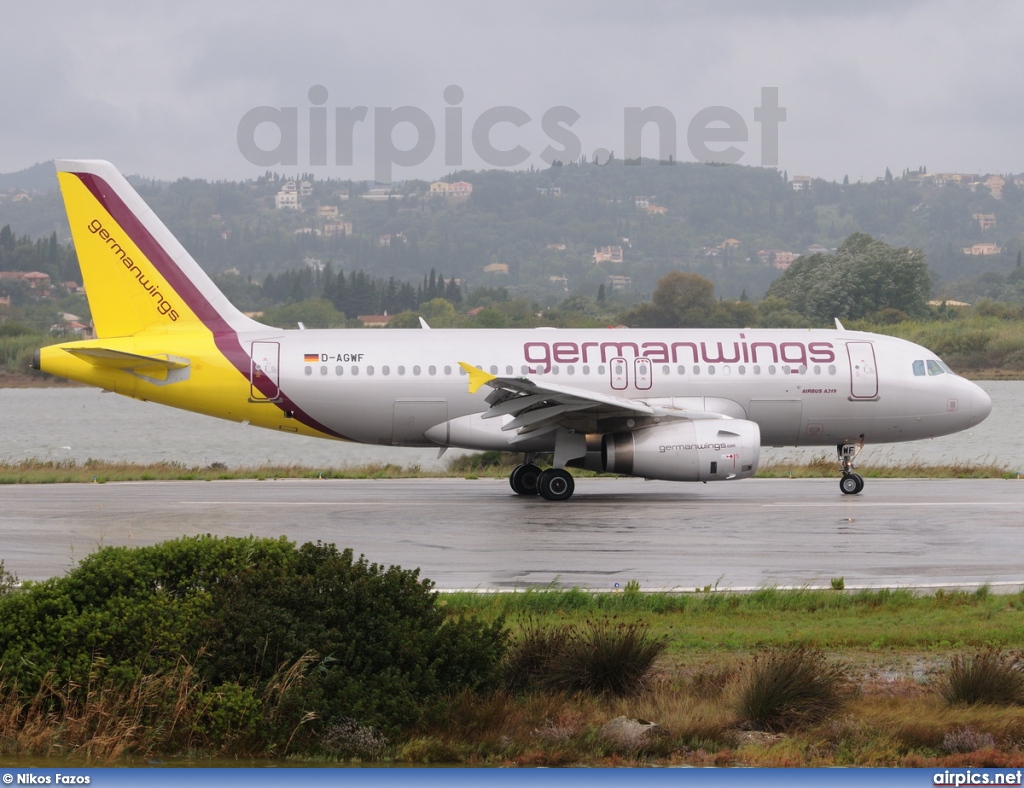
point(264, 372)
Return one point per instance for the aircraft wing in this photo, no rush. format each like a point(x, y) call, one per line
point(538, 406)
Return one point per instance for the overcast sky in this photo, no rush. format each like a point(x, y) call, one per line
point(161, 90)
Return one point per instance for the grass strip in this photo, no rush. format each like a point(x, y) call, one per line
point(34, 471)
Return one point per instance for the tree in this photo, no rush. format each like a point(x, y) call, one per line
point(315, 313)
point(680, 300)
point(863, 277)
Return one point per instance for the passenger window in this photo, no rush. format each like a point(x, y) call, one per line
point(385, 370)
point(757, 369)
point(742, 369)
point(600, 369)
point(448, 370)
point(416, 370)
point(525, 370)
point(785, 369)
point(339, 370)
point(817, 369)
point(432, 370)
point(309, 370)
point(934, 368)
point(711, 370)
point(831, 369)
point(919, 368)
point(771, 369)
point(508, 369)
point(681, 370)
point(696, 370)
point(494, 369)
point(323, 370)
point(369, 370)
point(570, 370)
point(586, 370)
point(355, 370)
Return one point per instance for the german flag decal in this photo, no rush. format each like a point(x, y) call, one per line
point(312, 358)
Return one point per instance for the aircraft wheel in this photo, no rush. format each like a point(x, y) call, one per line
point(523, 479)
point(556, 484)
point(851, 483)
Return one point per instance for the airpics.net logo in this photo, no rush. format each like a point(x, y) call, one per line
point(713, 135)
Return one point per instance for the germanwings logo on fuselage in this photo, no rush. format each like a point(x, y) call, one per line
point(163, 306)
point(545, 354)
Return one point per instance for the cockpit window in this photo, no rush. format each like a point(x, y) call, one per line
point(919, 368)
point(935, 368)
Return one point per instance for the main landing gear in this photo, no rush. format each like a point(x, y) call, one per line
point(553, 484)
point(851, 483)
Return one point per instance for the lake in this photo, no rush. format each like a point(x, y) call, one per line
point(83, 423)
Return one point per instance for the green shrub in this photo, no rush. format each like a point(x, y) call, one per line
point(790, 687)
point(990, 676)
point(244, 612)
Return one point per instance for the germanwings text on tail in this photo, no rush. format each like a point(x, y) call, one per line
point(677, 404)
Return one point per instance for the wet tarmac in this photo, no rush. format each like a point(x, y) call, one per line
point(476, 534)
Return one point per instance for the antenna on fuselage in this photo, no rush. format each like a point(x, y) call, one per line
point(839, 325)
point(423, 323)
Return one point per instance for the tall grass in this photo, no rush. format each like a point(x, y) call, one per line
point(102, 721)
point(791, 687)
point(990, 676)
point(599, 657)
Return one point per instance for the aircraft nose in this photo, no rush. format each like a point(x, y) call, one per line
point(981, 404)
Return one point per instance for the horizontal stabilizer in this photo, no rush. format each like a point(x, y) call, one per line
point(118, 359)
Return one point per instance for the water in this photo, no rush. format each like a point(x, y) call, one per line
point(81, 423)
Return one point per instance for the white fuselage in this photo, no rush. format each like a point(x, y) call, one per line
point(802, 387)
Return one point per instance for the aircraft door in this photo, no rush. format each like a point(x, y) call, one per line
point(264, 371)
point(642, 373)
point(863, 370)
point(619, 373)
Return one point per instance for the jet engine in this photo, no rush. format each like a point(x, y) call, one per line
point(702, 450)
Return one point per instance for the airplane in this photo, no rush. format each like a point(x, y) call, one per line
point(692, 405)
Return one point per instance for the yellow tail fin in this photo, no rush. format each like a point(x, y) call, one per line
point(137, 276)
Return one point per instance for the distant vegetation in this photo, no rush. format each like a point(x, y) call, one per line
point(713, 221)
point(707, 259)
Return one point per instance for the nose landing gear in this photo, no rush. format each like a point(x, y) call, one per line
point(851, 483)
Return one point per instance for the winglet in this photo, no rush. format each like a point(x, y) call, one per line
point(477, 377)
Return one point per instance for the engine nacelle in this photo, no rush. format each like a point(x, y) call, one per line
point(702, 450)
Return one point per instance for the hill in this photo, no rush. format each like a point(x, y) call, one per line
point(537, 232)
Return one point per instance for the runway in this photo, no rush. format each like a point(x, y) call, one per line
point(476, 534)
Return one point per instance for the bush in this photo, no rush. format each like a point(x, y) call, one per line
point(791, 687)
point(984, 677)
point(371, 643)
point(8, 582)
point(602, 659)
